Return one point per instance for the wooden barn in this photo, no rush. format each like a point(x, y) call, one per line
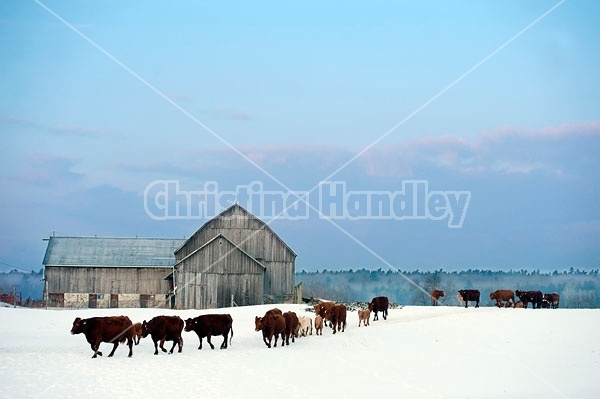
point(234, 259)
point(109, 272)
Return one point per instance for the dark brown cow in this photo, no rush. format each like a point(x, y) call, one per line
point(323, 309)
point(291, 324)
point(137, 333)
point(114, 330)
point(470, 295)
point(435, 297)
point(338, 318)
point(274, 311)
point(271, 325)
point(502, 296)
point(535, 297)
point(553, 300)
point(379, 304)
point(164, 328)
point(211, 324)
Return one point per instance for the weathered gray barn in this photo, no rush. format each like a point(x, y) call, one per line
point(109, 272)
point(234, 258)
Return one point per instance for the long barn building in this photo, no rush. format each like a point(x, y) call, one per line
point(233, 259)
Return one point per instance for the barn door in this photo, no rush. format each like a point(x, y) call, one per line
point(93, 302)
point(56, 300)
point(144, 299)
point(114, 300)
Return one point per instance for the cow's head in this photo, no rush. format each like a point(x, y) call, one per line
point(258, 323)
point(145, 329)
point(493, 295)
point(190, 324)
point(79, 326)
point(441, 293)
point(462, 293)
point(519, 293)
point(370, 306)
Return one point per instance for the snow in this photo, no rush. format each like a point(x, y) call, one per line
point(431, 352)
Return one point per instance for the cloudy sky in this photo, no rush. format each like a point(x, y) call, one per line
point(497, 100)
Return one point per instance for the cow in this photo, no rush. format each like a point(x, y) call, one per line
point(271, 325)
point(553, 299)
point(274, 311)
point(322, 309)
point(338, 318)
point(535, 297)
point(164, 328)
point(379, 304)
point(137, 333)
point(364, 316)
point(304, 324)
point(470, 295)
point(113, 330)
point(519, 304)
point(318, 325)
point(209, 325)
point(435, 297)
point(501, 296)
point(291, 325)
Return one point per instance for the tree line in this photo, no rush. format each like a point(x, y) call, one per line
point(577, 288)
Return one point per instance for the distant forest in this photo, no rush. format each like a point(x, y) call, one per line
point(577, 289)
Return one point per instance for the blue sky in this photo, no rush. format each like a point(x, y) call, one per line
point(299, 90)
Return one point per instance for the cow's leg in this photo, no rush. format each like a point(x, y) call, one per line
point(276, 336)
point(224, 344)
point(208, 340)
point(130, 341)
point(95, 346)
point(200, 347)
point(162, 344)
point(180, 344)
point(477, 304)
point(155, 347)
point(175, 342)
point(112, 352)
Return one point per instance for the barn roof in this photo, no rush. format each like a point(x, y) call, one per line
point(236, 209)
point(111, 252)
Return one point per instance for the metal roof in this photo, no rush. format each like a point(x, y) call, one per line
point(111, 252)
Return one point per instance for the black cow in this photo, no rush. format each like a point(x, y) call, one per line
point(112, 329)
point(211, 324)
point(470, 296)
point(164, 328)
point(535, 297)
point(379, 304)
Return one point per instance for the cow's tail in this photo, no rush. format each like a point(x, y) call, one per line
point(231, 337)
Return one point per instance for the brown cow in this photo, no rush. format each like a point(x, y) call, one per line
point(137, 333)
point(318, 325)
point(271, 325)
point(164, 328)
point(553, 299)
point(379, 304)
point(519, 304)
point(435, 297)
point(323, 309)
point(112, 329)
point(501, 296)
point(338, 318)
point(211, 324)
point(291, 325)
point(364, 316)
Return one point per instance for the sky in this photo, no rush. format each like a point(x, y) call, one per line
point(476, 123)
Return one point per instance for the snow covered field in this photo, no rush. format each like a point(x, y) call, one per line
point(418, 352)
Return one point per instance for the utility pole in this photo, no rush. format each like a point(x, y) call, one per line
point(14, 296)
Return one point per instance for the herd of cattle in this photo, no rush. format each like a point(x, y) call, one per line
point(505, 298)
point(274, 323)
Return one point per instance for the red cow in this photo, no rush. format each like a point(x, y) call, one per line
point(164, 328)
point(271, 325)
point(291, 324)
point(112, 329)
point(435, 297)
point(211, 324)
point(338, 318)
